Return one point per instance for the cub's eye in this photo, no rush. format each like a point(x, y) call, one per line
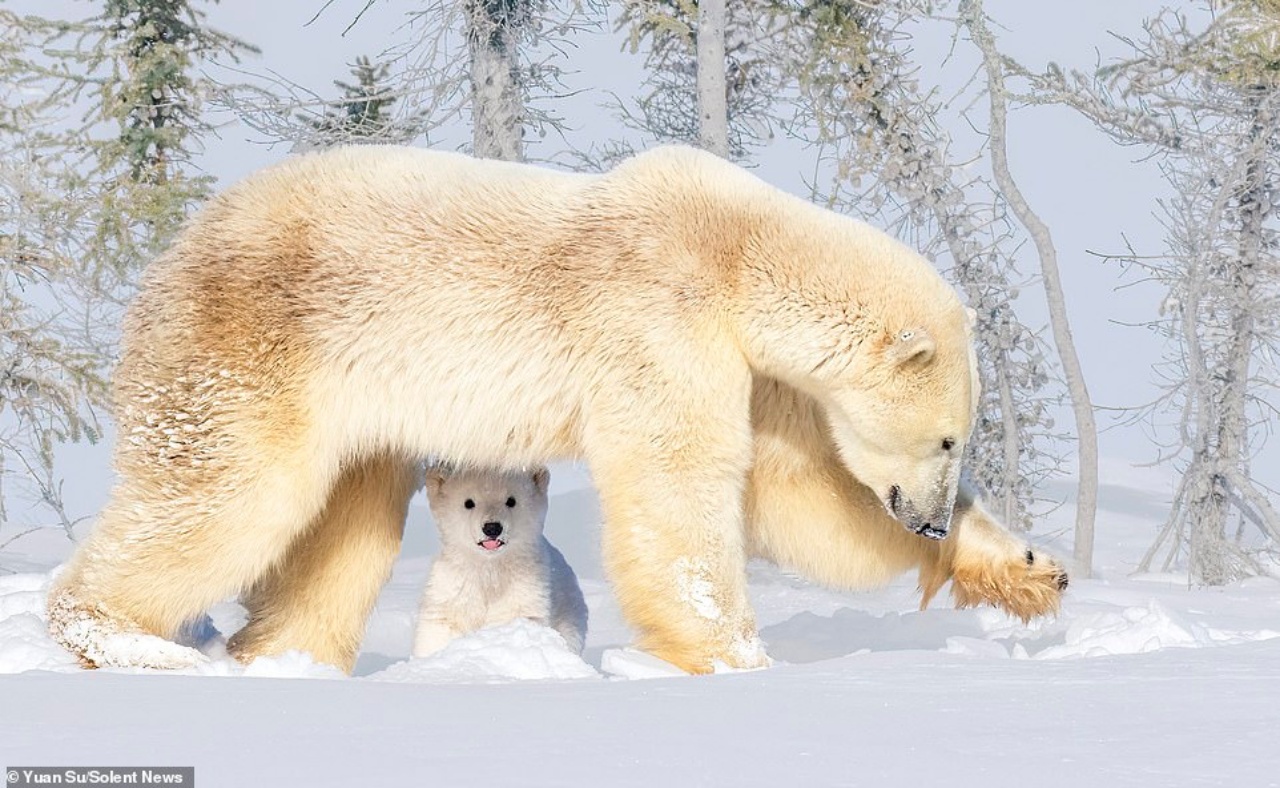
point(948, 444)
point(470, 504)
point(511, 503)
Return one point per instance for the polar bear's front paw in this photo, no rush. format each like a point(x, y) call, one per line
point(738, 649)
point(1027, 584)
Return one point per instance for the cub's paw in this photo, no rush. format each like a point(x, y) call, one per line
point(1027, 584)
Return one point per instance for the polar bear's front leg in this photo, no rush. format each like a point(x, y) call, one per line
point(674, 549)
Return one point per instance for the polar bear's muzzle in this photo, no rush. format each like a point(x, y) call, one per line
point(931, 525)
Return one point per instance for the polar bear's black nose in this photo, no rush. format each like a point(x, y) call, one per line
point(492, 530)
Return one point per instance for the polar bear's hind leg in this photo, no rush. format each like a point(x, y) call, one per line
point(318, 597)
point(151, 565)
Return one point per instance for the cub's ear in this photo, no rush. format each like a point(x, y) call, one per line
point(541, 479)
point(972, 314)
point(910, 346)
point(435, 481)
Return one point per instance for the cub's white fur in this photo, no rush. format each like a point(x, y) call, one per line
point(495, 565)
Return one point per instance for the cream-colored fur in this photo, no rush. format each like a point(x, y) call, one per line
point(806, 511)
point(471, 587)
point(321, 592)
point(368, 303)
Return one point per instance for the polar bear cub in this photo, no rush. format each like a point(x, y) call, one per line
point(495, 565)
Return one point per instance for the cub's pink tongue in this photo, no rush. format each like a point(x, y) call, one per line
point(491, 544)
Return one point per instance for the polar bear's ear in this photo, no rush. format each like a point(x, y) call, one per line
point(911, 345)
point(541, 479)
point(972, 314)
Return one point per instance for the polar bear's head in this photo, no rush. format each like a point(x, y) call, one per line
point(488, 512)
point(902, 423)
point(868, 328)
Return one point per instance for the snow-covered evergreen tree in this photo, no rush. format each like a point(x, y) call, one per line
point(741, 60)
point(498, 62)
point(364, 113)
point(1217, 89)
point(516, 58)
point(51, 360)
point(86, 206)
point(141, 63)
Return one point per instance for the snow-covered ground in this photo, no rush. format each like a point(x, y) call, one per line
point(1140, 681)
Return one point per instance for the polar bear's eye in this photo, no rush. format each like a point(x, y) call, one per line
point(948, 444)
point(511, 503)
point(470, 504)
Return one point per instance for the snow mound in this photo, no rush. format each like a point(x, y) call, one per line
point(290, 665)
point(22, 595)
point(25, 645)
point(630, 663)
point(26, 581)
point(24, 637)
point(1137, 630)
point(1134, 630)
point(519, 651)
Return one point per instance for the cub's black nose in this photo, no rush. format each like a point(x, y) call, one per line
point(492, 530)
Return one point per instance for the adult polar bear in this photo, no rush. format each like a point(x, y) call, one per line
point(325, 323)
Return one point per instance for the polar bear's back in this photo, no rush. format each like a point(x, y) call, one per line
point(328, 283)
point(374, 202)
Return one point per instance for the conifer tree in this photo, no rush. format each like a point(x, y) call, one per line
point(86, 206)
point(142, 72)
point(364, 113)
point(742, 64)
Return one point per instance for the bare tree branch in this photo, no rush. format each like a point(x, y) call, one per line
point(1082, 406)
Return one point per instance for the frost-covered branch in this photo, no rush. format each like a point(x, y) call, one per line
point(1207, 101)
point(99, 120)
point(1091, 97)
point(1082, 406)
point(54, 341)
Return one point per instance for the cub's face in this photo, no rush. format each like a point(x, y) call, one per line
point(487, 512)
